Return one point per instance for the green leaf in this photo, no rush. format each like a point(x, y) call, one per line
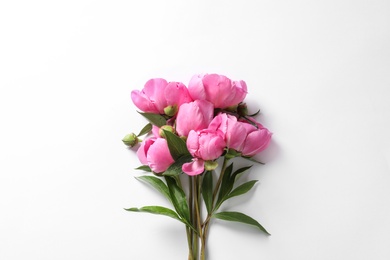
point(176, 168)
point(242, 189)
point(146, 129)
point(144, 168)
point(156, 183)
point(239, 217)
point(226, 185)
point(157, 210)
point(162, 211)
point(177, 146)
point(155, 119)
point(207, 190)
point(237, 173)
point(178, 198)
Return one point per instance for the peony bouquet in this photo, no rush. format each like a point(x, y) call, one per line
point(192, 135)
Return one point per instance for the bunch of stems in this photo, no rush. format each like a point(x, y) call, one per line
point(197, 240)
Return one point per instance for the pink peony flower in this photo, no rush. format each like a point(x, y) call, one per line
point(158, 95)
point(241, 135)
point(195, 115)
point(204, 145)
point(155, 153)
point(256, 140)
point(234, 131)
point(217, 89)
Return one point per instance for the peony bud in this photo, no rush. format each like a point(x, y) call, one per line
point(166, 128)
point(171, 110)
point(130, 140)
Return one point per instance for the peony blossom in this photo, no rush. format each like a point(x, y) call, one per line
point(204, 145)
point(217, 89)
point(256, 140)
point(234, 131)
point(158, 96)
point(241, 135)
point(195, 115)
point(155, 153)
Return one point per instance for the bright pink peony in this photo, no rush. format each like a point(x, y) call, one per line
point(218, 89)
point(158, 94)
point(234, 131)
point(155, 153)
point(195, 115)
point(241, 135)
point(204, 145)
point(257, 139)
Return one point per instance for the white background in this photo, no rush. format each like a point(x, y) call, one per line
point(319, 71)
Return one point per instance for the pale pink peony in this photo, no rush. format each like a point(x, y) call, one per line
point(155, 153)
point(195, 115)
point(204, 145)
point(217, 89)
point(158, 94)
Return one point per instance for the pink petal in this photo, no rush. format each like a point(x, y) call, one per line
point(195, 167)
point(176, 94)
point(142, 101)
point(196, 88)
point(143, 150)
point(218, 90)
point(256, 142)
point(193, 142)
point(154, 89)
point(158, 156)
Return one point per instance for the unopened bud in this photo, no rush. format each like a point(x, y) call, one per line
point(130, 140)
point(210, 165)
point(166, 128)
point(242, 109)
point(171, 110)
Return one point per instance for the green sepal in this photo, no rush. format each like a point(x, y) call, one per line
point(255, 114)
point(156, 183)
point(147, 128)
point(207, 190)
point(144, 168)
point(155, 119)
point(231, 153)
point(252, 160)
point(240, 217)
point(176, 168)
point(177, 146)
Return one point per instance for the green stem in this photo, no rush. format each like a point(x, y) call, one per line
point(217, 186)
point(193, 214)
point(189, 240)
point(199, 215)
point(189, 231)
point(206, 223)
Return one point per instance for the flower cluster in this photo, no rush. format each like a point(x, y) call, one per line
point(189, 130)
point(208, 115)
